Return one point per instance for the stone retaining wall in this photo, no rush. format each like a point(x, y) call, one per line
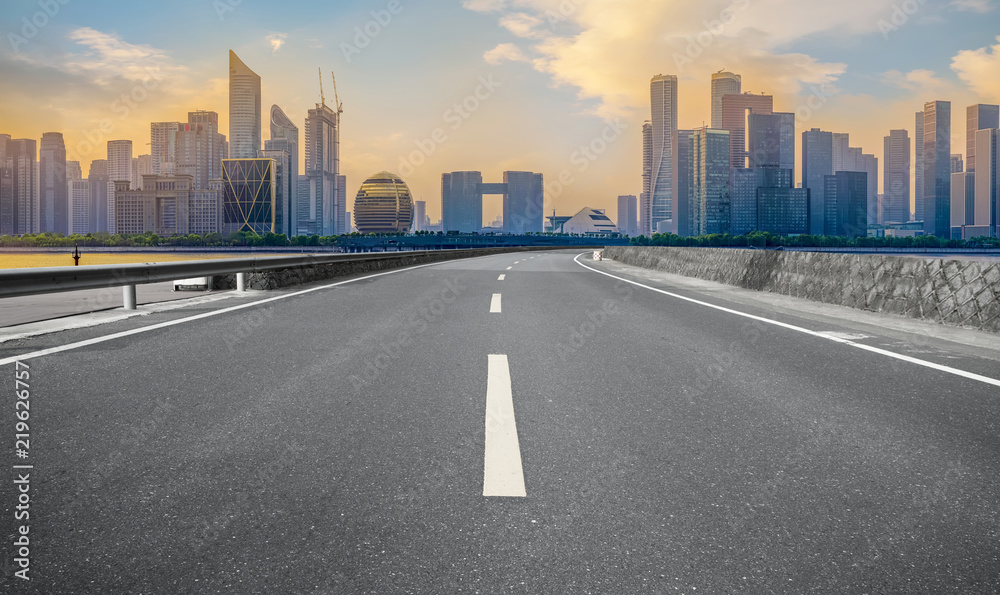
point(295, 276)
point(956, 292)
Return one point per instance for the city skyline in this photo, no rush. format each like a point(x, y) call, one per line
point(542, 79)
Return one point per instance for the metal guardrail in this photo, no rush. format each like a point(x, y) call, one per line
point(33, 281)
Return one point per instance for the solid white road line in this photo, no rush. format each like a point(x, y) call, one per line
point(495, 304)
point(502, 471)
point(501, 277)
point(152, 327)
point(822, 335)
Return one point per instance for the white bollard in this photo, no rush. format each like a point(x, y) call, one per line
point(598, 255)
point(241, 281)
point(128, 297)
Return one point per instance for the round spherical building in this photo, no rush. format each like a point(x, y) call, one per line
point(383, 205)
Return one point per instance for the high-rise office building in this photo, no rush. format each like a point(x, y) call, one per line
point(734, 119)
point(343, 218)
point(249, 192)
point(963, 202)
point(628, 214)
point(723, 83)
point(321, 168)
point(645, 208)
point(868, 163)
point(846, 196)
point(18, 161)
point(244, 109)
point(710, 181)
point(100, 182)
point(987, 194)
point(937, 168)
point(419, 214)
point(896, 177)
point(167, 205)
point(771, 140)
point(978, 117)
point(461, 201)
point(79, 206)
point(54, 199)
point(663, 104)
point(957, 164)
point(843, 160)
point(523, 202)
point(73, 171)
point(817, 163)
point(141, 166)
point(283, 214)
point(163, 147)
point(119, 170)
point(285, 136)
point(918, 167)
point(684, 198)
point(200, 148)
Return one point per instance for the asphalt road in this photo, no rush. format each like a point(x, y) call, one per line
point(340, 441)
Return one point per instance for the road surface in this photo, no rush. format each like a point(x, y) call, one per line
point(517, 423)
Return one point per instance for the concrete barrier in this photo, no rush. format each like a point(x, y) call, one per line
point(955, 292)
point(269, 280)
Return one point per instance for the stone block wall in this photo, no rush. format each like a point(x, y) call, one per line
point(956, 292)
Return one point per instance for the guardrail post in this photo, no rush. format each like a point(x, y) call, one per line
point(128, 296)
point(241, 281)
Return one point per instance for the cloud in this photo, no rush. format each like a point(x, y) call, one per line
point(276, 40)
point(107, 57)
point(608, 49)
point(979, 6)
point(978, 69)
point(921, 83)
point(504, 51)
point(522, 24)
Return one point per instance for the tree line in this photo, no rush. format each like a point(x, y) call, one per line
point(761, 239)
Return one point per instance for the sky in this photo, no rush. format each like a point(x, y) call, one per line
point(559, 87)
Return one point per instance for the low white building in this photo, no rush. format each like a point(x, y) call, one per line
point(590, 222)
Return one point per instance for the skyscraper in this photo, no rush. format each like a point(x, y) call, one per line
point(734, 119)
point(723, 83)
point(987, 202)
point(663, 103)
point(522, 202)
point(461, 201)
point(957, 164)
point(918, 168)
point(771, 140)
point(100, 183)
point(285, 136)
point(710, 181)
point(978, 117)
point(322, 168)
point(200, 148)
point(284, 216)
point(963, 202)
point(244, 109)
point(847, 204)
point(937, 168)
point(249, 189)
point(119, 170)
point(868, 163)
point(141, 166)
point(163, 147)
point(742, 200)
point(896, 177)
point(684, 203)
point(817, 163)
point(53, 191)
point(18, 186)
point(628, 220)
point(79, 206)
point(645, 211)
point(419, 213)
point(842, 158)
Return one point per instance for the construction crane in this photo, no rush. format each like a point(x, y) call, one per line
point(322, 99)
point(336, 96)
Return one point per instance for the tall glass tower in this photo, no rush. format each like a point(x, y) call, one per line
point(663, 101)
point(937, 169)
point(244, 110)
point(723, 83)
